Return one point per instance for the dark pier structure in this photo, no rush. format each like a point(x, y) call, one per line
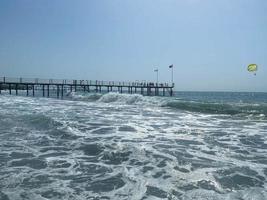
point(60, 87)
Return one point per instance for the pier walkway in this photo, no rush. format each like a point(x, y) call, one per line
point(62, 86)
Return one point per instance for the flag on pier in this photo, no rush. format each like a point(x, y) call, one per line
point(171, 66)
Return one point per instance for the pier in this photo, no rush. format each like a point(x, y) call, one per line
point(61, 86)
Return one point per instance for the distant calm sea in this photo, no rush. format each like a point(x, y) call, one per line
point(196, 145)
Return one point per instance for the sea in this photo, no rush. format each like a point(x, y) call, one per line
point(192, 146)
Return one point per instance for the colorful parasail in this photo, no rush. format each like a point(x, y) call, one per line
point(252, 68)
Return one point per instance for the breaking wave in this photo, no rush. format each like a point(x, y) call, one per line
point(115, 97)
point(122, 98)
point(227, 108)
point(83, 97)
point(219, 108)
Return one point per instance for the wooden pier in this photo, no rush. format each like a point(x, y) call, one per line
point(61, 86)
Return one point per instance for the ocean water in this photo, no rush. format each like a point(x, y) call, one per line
point(196, 145)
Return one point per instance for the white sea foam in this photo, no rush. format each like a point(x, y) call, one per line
point(127, 147)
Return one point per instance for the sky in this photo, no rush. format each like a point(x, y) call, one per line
point(209, 42)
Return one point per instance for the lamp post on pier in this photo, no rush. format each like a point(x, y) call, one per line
point(157, 71)
point(171, 67)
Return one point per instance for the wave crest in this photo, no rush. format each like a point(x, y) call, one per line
point(175, 103)
point(122, 98)
point(219, 108)
point(84, 97)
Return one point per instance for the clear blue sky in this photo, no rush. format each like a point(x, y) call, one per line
point(210, 42)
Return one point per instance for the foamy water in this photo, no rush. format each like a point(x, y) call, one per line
point(119, 146)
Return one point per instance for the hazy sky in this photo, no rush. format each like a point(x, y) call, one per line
point(209, 42)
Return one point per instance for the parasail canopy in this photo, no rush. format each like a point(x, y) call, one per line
point(252, 68)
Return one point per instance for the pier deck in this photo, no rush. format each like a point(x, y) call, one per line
point(61, 86)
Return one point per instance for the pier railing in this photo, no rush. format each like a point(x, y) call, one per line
point(81, 82)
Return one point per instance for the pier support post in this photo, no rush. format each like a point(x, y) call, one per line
point(163, 91)
point(71, 88)
point(27, 88)
point(47, 90)
point(0, 88)
point(32, 90)
point(57, 91)
point(43, 90)
point(16, 89)
point(62, 91)
point(9, 85)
